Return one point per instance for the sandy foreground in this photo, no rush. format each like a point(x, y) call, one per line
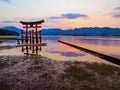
point(40, 73)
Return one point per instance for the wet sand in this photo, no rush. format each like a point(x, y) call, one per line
point(40, 73)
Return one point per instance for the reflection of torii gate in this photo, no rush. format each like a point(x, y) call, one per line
point(31, 39)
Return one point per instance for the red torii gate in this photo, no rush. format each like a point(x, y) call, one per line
point(31, 38)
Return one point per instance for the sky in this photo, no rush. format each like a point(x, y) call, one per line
point(64, 14)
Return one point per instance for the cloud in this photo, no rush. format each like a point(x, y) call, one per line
point(117, 8)
point(55, 17)
point(74, 15)
point(116, 16)
point(10, 21)
point(7, 1)
point(70, 16)
point(116, 13)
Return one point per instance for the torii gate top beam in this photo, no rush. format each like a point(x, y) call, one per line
point(32, 23)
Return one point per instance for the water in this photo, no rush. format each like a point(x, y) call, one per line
point(8, 43)
point(106, 45)
point(59, 51)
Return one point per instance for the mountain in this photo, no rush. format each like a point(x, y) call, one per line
point(7, 32)
point(12, 28)
point(52, 31)
point(86, 31)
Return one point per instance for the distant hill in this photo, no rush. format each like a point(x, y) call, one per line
point(7, 32)
point(86, 31)
point(12, 28)
point(53, 31)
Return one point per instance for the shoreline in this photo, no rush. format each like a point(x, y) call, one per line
point(8, 37)
point(7, 47)
point(41, 73)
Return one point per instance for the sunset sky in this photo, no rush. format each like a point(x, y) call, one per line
point(61, 13)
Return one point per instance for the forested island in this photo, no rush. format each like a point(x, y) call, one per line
point(8, 32)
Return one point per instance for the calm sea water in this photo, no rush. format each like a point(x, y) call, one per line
point(105, 45)
point(59, 51)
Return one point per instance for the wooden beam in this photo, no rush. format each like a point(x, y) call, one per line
point(42, 44)
point(31, 23)
point(32, 27)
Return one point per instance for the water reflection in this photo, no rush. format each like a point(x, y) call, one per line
point(100, 42)
point(68, 54)
point(57, 48)
point(72, 54)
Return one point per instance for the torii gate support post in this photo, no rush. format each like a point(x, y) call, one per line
point(22, 40)
point(26, 33)
point(40, 39)
point(36, 34)
point(30, 39)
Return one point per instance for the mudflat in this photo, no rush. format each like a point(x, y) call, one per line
point(41, 73)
